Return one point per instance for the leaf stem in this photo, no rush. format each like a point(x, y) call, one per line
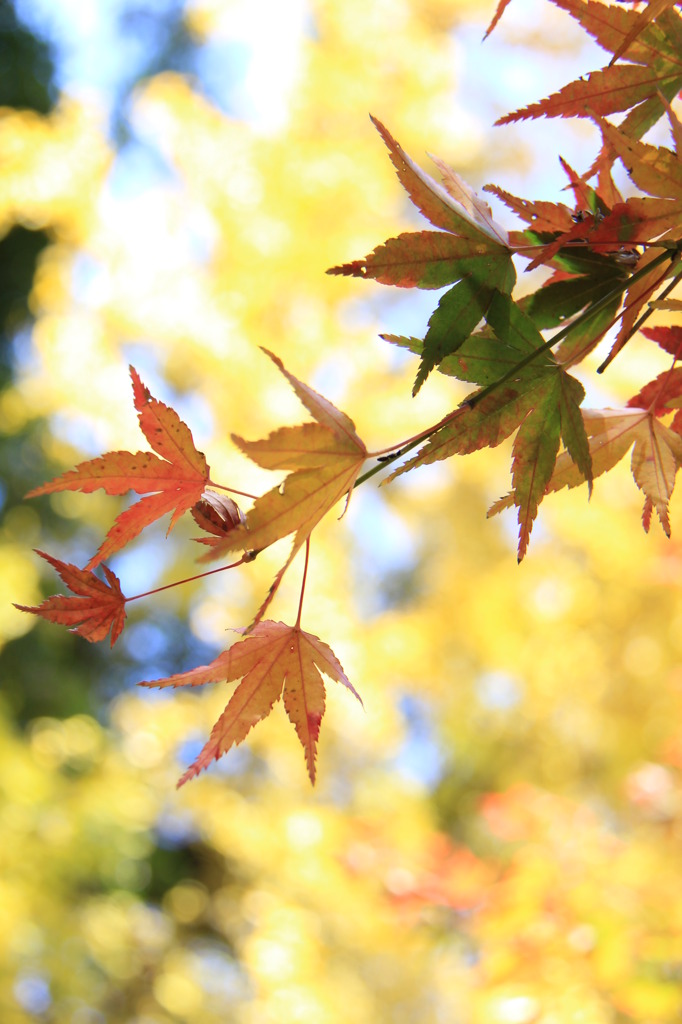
point(189, 579)
point(305, 575)
point(232, 490)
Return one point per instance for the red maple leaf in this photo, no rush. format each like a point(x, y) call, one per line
point(274, 660)
point(98, 608)
point(661, 394)
point(172, 483)
point(669, 339)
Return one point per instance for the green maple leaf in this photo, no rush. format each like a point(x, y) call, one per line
point(471, 250)
point(555, 416)
point(481, 359)
point(459, 311)
point(542, 404)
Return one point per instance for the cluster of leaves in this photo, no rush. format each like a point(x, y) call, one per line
point(610, 260)
point(324, 457)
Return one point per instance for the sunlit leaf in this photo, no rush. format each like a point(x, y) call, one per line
point(97, 608)
point(173, 482)
point(274, 660)
point(324, 457)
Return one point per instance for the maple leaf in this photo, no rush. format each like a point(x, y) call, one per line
point(638, 219)
point(655, 169)
point(568, 293)
point(665, 391)
point(675, 127)
point(660, 394)
point(419, 259)
point(324, 457)
point(656, 457)
point(612, 28)
point(589, 199)
point(668, 338)
point(542, 402)
point(653, 77)
point(98, 608)
point(555, 229)
point(483, 358)
point(541, 214)
point(273, 660)
point(172, 483)
point(471, 250)
point(652, 10)
point(445, 210)
point(652, 277)
point(455, 318)
point(499, 11)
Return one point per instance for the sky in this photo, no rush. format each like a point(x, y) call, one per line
point(101, 47)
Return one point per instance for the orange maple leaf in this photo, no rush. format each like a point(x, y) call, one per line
point(325, 458)
point(653, 75)
point(98, 608)
point(172, 483)
point(274, 659)
point(653, 9)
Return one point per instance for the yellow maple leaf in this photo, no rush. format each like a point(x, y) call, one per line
point(656, 457)
point(324, 457)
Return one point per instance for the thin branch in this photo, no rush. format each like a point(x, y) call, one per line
point(190, 579)
point(472, 402)
point(593, 247)
point(645, 315)
point(397, 449)
point(403, 449)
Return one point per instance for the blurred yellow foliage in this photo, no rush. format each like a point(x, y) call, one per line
point(496, 839)
point(53, 169)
